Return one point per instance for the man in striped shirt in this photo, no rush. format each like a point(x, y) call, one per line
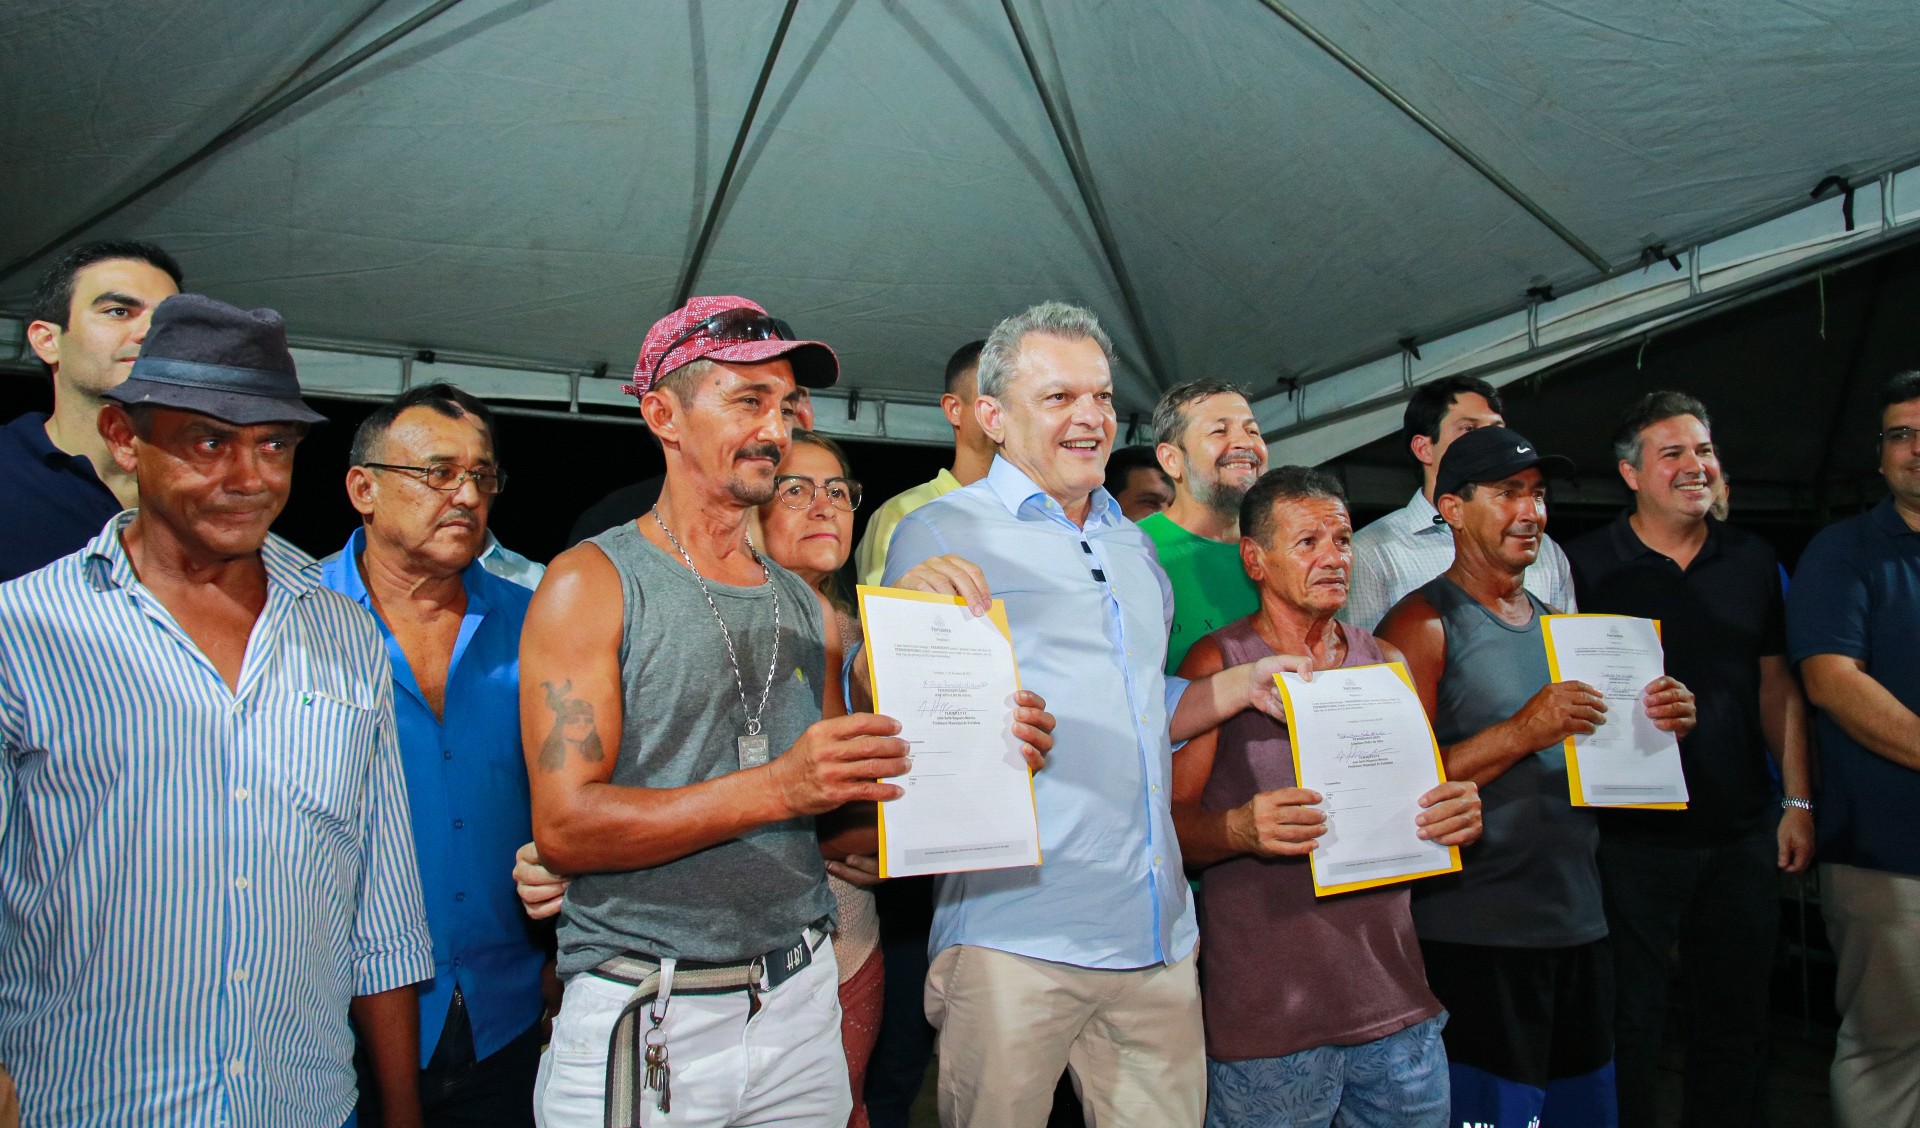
point(205, 858)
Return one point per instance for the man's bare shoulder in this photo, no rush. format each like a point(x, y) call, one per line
point(1411, 617)
point(580, 583)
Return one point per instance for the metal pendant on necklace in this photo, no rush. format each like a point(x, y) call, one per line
point(754, 749)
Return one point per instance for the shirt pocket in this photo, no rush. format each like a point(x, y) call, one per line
point(323, 762)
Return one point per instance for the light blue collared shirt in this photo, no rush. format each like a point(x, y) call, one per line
point(194, 881)
point(1089, 609)
point(509, 565)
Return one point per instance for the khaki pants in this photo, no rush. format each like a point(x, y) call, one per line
point(1009, 1025)
point(1873, 920)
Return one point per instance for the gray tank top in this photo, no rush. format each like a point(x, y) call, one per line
point(682, 715)
point(1532, 881)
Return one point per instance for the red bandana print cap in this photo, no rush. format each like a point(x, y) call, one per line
point(814, 365)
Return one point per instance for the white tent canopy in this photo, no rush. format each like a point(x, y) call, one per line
point(1256, 190)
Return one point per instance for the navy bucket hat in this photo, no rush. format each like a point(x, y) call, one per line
point(206, 356)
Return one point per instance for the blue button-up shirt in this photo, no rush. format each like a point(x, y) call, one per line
point(1857, 594)
point(1089, 610)
point(467, 788)
point(194, 881)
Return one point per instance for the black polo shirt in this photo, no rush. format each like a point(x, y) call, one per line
point(1718, 618)
point(51, 503)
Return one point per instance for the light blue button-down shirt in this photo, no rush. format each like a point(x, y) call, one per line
point(467, 790)
point(194, 881)
point(1089, 610)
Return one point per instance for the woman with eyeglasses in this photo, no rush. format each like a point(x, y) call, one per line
point(808, 530)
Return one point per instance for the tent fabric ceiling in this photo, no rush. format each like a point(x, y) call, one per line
point(525, 179)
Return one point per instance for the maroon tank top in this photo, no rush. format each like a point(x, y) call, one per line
point(1282, 970)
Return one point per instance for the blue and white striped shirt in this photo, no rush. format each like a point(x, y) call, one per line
point(194, 881)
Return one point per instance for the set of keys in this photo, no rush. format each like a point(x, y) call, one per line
point(659, 1075)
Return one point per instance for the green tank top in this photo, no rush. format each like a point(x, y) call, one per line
point(1210, 589)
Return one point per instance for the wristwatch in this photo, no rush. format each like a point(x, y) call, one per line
point(1796, 801)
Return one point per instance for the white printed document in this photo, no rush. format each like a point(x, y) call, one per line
point(948, 677)
point(1361, 739)
point(1626, 762)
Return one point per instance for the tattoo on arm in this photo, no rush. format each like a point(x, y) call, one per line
point(573, 727)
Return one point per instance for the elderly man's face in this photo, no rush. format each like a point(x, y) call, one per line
point(1054, 417)
point(1307, 560)
point(734, 425)
point(1221, 453)
point(1504, 520)
point(216, 486)
point(441, 530)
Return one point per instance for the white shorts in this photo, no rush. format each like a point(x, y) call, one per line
point(784, 1066)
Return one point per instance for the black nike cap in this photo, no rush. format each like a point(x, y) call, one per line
point(1492, 454)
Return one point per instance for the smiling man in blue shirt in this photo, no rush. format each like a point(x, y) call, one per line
point(1086, 961)
point(423, 478)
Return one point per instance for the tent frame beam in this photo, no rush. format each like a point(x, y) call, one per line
point(690, 270)
point(1440, 134)
point(1090, 199)
point(260, 113)
point(1543, 364)
point(1326, 415)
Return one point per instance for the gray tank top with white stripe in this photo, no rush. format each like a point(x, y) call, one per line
point(682, 715)
point(1532, 881)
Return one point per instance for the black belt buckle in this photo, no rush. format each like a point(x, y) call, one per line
point(787, 962)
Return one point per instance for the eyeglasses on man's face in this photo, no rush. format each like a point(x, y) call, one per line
point(796, 492)
point(1898, 436)
point(447, 476)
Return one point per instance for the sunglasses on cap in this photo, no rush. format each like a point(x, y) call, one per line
point(738, 324)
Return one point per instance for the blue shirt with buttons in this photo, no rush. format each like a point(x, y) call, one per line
point(467, 790)
point(1856, 593)
point(1089, 609)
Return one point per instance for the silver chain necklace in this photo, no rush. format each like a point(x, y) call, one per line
point(753, 746)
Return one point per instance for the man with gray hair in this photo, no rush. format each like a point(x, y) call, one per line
point(1085, 962)
point(1210, 445)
